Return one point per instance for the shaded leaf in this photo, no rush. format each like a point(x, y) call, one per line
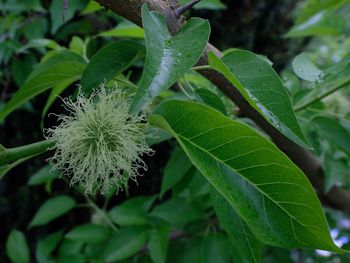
point(124, 244)
point(210, 98)
point(215, 248)
point(243, 240)
point(176, 168)
point(158, 244)
point(46, 246)
point(51, 209)
point(17, 248)
point(108, 62)
point(64, 66)
point(89, 233)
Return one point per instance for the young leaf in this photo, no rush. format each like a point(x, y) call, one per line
point(168, 57)
point(108, 62)
point(243, 240)
point(51, 209)
point(268, 191)
point(176, 168)
point(262, 88)
point(124, 244)
point(62, 67)
point(89, 233)
point(17, 248)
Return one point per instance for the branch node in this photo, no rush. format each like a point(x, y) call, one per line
point(182, 9)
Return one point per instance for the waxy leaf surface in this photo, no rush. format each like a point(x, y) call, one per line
point(267, 190)
point(260, 85)
point(168, 57)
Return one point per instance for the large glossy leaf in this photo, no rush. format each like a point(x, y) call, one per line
point(248, 247)
point(168, 57)
point(62, 67)
point(110, 61)
point(262, 88)
point(267, 190)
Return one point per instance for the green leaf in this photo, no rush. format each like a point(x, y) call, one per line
point(305, 69)
point(17, 248)
point(124, 244)
point(158, 244)
point(168, 57)
point(46, 246)
point(211, 99)
point(177, 212)
point(267, 190)
point(125, 29)
point(260, 85)
point(42, 176)
point(51, 209)
point(108, 62)
point(207, 4)
point(336, 172)
point(215, 248)
point(64, 66)
point(326, 22)
point(57, 16)
point(333, 131)
point(89, 233)
point(243, 240)
point(132, 211)
point(175, 170)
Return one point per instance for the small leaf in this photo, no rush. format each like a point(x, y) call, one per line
point(260, 85)
point(124, 244)
point(177, 212)
point(305, 69)
point(132, 212)
point(333, 131)
point(64, 66)
point(125, 29)
point(42, 176)
point(108, 62)
point(46, 246)
point(269, 192)
point(175, 170)
point(210, 98)
point(89, 233)
point(336, 172)
point(51, 209)
point(158, 244)
point(17, 248)
point(243, 240)
point(168, 57)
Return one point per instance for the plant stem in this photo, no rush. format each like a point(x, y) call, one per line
point(8, 156)
point(322, 95)
point(126, 83)
point(102, 213)
point(204, 67)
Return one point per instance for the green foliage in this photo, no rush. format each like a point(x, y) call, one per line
point(218, 189)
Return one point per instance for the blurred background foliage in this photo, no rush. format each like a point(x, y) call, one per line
point(309, 44)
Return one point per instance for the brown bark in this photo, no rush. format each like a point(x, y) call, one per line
point(337, 198)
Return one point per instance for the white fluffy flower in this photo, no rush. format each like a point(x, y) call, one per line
point(99, 143)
